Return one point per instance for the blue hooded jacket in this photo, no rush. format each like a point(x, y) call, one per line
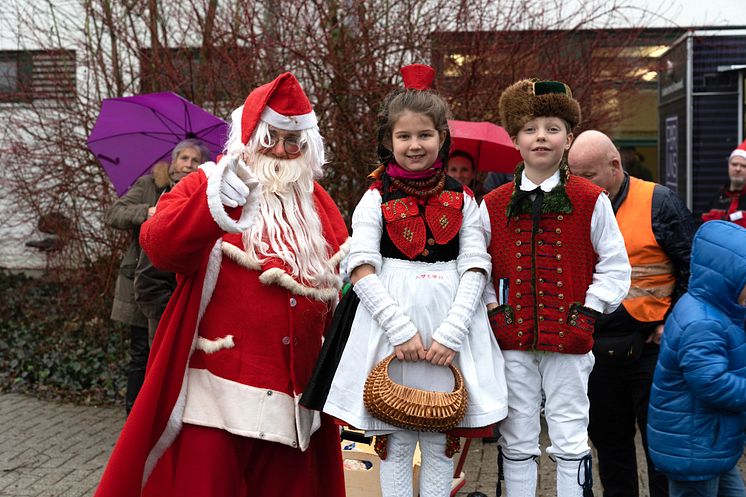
point(697, 409)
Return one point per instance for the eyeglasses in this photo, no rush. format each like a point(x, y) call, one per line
point(291, 144)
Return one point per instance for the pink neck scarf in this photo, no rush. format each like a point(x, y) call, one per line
point(396, 171)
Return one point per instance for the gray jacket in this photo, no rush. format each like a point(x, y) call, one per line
point(128, 213)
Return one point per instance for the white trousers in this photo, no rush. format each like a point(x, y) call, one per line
point(436, 471)
point(564, 380)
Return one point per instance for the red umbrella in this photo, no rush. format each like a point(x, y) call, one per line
point(488, 143)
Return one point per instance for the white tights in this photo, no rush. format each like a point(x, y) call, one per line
point(436, 472)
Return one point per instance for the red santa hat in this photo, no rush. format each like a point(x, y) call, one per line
point(740, 151)
point(280, 103)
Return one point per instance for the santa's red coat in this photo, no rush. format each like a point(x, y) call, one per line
point(184, 237)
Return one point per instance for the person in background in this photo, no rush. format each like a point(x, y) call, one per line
point(128, 213)
point(153, 288)
point(657, 229)
point(462, 168)
point(493, 180)
point(558, 263)
point(729, 203)
point(633, 165)
point(697, 412)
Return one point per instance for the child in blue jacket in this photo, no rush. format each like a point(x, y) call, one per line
point(697, 412)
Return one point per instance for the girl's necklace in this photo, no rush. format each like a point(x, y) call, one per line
point(422, 188)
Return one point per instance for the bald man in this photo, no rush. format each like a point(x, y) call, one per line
point(657, 229)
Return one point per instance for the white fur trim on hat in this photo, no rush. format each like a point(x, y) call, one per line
point(289, 123)
point(738, 153)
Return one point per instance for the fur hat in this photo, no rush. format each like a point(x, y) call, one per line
point(530, 98)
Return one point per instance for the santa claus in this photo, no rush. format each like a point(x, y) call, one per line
point(256, 244)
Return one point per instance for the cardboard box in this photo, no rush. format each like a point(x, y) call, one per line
point(367, 482)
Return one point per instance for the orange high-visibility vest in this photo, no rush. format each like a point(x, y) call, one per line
point(653, 278)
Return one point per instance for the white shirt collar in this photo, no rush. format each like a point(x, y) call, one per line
point(546, 185)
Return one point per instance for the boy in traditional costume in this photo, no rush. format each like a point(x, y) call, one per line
point(558, 262)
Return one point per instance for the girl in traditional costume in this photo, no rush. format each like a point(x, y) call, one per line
point(419, 264)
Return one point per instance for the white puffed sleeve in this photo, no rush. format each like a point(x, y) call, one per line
point(367, 228)
point(611, 276)
point(472, 243)
point(489, 296)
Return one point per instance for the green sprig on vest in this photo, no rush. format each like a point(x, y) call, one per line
point(555, 201)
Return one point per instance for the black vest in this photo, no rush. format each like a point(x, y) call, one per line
point(433, 252)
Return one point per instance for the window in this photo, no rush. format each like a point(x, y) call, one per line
point(169, 69)
point(184, 71)
point(15, 71)
point(27, 75)
point(8, 76)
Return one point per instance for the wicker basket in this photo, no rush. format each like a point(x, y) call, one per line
point(412, 408)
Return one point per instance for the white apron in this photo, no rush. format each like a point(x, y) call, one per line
point(425, 293)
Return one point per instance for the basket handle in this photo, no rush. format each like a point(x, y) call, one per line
point(458, 378)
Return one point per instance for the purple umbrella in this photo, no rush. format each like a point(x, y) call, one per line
point(133, 133)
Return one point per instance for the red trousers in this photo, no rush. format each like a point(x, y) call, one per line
point(208, 462)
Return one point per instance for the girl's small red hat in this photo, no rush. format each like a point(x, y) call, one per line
point(418, 76)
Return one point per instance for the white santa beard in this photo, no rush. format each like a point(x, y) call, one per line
point(288, 226)
point(280, 175)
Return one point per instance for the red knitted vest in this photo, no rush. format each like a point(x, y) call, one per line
point(547, 271)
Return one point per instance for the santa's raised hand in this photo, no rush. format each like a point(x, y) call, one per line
point(231, 184)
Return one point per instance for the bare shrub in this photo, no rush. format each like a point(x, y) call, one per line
point(345, 52)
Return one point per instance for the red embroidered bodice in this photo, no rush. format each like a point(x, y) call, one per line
point(422, 229)
point(547, 270)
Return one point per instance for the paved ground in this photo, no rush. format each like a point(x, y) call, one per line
point(53, 450)
point(59, 450)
